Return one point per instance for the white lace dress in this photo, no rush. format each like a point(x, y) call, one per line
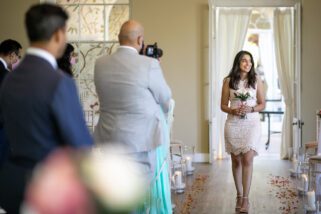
point(242, 135)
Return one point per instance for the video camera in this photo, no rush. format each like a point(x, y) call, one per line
point(152, 51)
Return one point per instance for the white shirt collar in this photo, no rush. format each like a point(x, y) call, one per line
point(128, 47)
point(43, 54)
point(4, 63)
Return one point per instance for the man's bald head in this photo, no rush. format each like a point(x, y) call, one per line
point(130, 33)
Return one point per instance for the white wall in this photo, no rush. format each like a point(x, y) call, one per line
point(12, 19)
point(311, 66)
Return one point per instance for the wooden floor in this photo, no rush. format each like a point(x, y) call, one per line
point(211, 189)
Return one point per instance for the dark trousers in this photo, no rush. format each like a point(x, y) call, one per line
point(13, 181)
point(4, 148)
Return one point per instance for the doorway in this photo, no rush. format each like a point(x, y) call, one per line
point(259, 41)
point(261, 11)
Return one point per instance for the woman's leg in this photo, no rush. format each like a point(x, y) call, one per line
point(247, 169)
point(237, 175)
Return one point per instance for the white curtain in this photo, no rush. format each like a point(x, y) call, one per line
point(284, 52)
point(231, 32)
point(267, 56)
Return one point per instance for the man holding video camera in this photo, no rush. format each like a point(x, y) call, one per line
point(133, 96)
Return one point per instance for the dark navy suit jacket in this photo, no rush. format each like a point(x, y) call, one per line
point(40, 111)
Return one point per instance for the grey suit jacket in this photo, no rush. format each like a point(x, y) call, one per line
point(133, 94)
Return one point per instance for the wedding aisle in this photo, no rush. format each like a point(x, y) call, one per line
point(211, 189)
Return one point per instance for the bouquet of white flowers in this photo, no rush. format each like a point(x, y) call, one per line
point(243, 95)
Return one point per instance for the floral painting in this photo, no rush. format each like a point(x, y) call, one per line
point(93, 28)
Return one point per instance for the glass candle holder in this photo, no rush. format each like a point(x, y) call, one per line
point(189, 152)
point(178, 181)
point(302, 184)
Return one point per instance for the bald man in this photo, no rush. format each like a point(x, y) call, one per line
point(133, 94)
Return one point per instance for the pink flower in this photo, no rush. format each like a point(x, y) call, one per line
point(57, 188)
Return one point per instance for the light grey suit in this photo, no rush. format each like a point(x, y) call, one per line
point(131, 91)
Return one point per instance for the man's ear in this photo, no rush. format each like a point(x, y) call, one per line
point(55, 37)
point(140, 41)
point(59, 35)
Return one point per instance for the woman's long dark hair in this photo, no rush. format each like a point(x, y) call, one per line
point(235, 73)
point(64, 61)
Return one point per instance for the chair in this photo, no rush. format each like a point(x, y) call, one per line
point(310, 148)
point(90, 119)
point(177, 148)
point(315, 175)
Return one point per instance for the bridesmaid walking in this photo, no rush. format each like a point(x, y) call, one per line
point(242, 99)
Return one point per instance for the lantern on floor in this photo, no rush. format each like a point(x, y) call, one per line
point(302, 184)
point(189, 152)
point(314, 190)
point(178, 178)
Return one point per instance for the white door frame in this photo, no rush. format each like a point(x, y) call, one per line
point(296, 5)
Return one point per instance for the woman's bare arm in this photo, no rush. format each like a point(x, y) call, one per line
point(225, 99)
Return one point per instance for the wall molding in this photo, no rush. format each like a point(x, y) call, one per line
point(48, 1)
point(201, 158)
point(255, 3)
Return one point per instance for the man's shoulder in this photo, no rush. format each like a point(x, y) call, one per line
point(65, 78)
point(34, 63)
point(148, 59)
point(120, 58)
point(40, 76)
point(2, 68)
point(3, 71)
point(103, 59)
point(145, 60)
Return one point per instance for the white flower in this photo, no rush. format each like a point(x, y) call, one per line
point(252, 94)
point(242, 91)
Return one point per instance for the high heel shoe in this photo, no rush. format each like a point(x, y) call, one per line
point(245, 209)
point(238, 202)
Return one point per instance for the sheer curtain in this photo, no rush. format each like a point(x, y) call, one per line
point(231, 31)
point(283, 37)
point(267, 54)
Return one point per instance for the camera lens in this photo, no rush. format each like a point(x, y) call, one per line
point(150, 51)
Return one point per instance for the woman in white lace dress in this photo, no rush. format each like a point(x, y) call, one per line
point(242, 128)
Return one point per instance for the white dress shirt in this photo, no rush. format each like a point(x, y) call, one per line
point(4, 63)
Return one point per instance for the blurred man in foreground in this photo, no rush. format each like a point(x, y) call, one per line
point(39, 104)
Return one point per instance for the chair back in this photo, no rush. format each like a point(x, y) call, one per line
point(170, 115)
point(89, 118)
